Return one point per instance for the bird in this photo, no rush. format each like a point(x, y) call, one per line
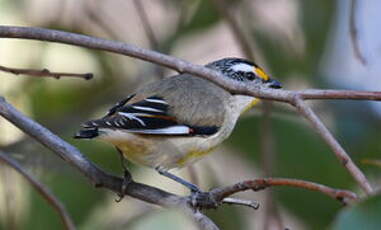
point(173, 122)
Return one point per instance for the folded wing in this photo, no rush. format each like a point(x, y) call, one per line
point(149, 116)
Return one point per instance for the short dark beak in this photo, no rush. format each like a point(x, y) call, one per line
point(274, 84)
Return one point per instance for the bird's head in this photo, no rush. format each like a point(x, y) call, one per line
point(244, 70)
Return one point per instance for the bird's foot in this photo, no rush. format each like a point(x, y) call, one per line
point(203, 200)
point(127, 179)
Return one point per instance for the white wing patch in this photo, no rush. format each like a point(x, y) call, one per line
point(243, 67)
point(132, 116)
point(137, 107)
point(156, 101)
point(173, 130)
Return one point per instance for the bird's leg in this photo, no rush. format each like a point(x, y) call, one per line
point(198, 198)
point(127, 178)
point(194, 188)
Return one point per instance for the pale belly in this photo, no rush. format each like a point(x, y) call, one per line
point(167, 153)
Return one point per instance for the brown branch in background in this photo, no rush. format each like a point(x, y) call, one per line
point(343, 196)
point(223, 9)
point(146, 24)
point(93, 13)
point(354, 33)
point(45, 73)
point(272, 217)
point(42, 189)
point(154, 44)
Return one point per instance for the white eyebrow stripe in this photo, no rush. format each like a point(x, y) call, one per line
point(156, 101)
point(146, 108)
point(243, 67)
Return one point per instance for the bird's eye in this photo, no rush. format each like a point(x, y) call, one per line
point(250, 76)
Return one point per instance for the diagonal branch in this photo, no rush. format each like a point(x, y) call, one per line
point(44, 191)
point(214, 76)
point(332, 142)
point(45, 73)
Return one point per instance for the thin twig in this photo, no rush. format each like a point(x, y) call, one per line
point(272, 217)
point(339, 94)
point(45, 73)
point(183, 66)
point(42, 189)
point(235, 201)
point(241, 38)
point(332, 142)
point(354, 33)
point(259, 184)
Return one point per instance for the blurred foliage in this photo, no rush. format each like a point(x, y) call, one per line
point(301, 153)
point(364, 215)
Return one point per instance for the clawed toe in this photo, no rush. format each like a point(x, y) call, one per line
point(127, 179)
point(203, 200)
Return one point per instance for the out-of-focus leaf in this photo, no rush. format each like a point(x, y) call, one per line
point(365, 215)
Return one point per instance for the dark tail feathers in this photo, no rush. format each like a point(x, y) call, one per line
point(87, 133)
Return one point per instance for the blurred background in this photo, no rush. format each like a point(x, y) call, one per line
point(302, 43)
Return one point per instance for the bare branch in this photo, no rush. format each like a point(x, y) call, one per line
point(45, 73)
point(354, 33)
point(183, 66)
point(247, 203)
point(335, 146)
point(259, 184)
point(42, 189)
point(339, 94)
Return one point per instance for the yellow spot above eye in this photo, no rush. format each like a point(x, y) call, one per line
point(260, 73)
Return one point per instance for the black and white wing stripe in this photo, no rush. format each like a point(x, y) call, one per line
point(150, 117)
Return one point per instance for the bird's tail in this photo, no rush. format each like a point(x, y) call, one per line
point(87, 133)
